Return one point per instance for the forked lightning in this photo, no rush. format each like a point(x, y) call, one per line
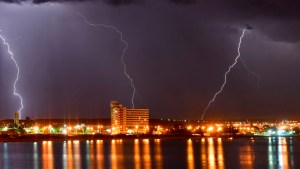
point(18, 72)
point(123, 54)
point(226, 74)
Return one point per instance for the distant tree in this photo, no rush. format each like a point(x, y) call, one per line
point(231, 130)
point(265, 127)
point(22, 131)
point(55, 129)
point(199, 131)
point(180, 132)
point(296, 130)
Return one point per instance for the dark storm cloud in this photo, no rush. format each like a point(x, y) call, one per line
point(109, 2)
point(278, 19)
point(182, 2)
point(58, 1)
point(122, 2)
point(269, 8)
point(12, 1)
point(247, 8)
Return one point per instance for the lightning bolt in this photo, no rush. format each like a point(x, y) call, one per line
point(18, 72)
point(123, 54)
point(225, 76)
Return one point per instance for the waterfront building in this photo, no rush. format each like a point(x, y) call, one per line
point(128, 121)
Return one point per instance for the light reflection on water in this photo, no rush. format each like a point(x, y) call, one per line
point(35, 156)
point(280, 155)
point(113, 154)
point(47, 155)
point(158, 156)
point(100, 154)
point(77, 155)
point(137, 160)
point(220, 154)
point(283, 153)
point(203, 153)
point(117, 155)
point(208, 153)
point(69, 155)
point(146, 154)
point(247, 156)
point(190, 155)
point(212, 153)
point(5, 155)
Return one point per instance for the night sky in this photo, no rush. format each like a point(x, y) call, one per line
point(177, 55)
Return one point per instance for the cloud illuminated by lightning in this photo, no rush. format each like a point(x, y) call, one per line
point(225, 76)
point(18, 72)
point(123, 54)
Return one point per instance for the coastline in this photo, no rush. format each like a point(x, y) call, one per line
point(55, 137)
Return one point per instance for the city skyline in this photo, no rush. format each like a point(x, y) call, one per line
point(178, 52)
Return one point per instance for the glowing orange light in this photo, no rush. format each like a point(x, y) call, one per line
point(210, 129)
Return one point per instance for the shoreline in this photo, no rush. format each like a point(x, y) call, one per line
point(51, 137)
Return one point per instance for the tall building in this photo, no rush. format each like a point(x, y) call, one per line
point(16, 118)
point(124, 120)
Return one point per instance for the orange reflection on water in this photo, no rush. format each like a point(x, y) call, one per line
point(146, 154)
point(100, 152)
point(246, 156)
point(77, 157)
point(120, 154)
point(92, 155)
point(212, 156)
point(220, 154)
point(211, 153)
point(283, 153)
point(203, 153)
point(114, 163)
point(117, 157)
point(69, 155)
point(158, 156)
point(47, 155)
point(190, 155)
point(137, 160)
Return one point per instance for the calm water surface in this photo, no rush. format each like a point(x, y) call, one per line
point(221, 153)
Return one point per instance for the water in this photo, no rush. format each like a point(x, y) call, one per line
point(220, 153)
